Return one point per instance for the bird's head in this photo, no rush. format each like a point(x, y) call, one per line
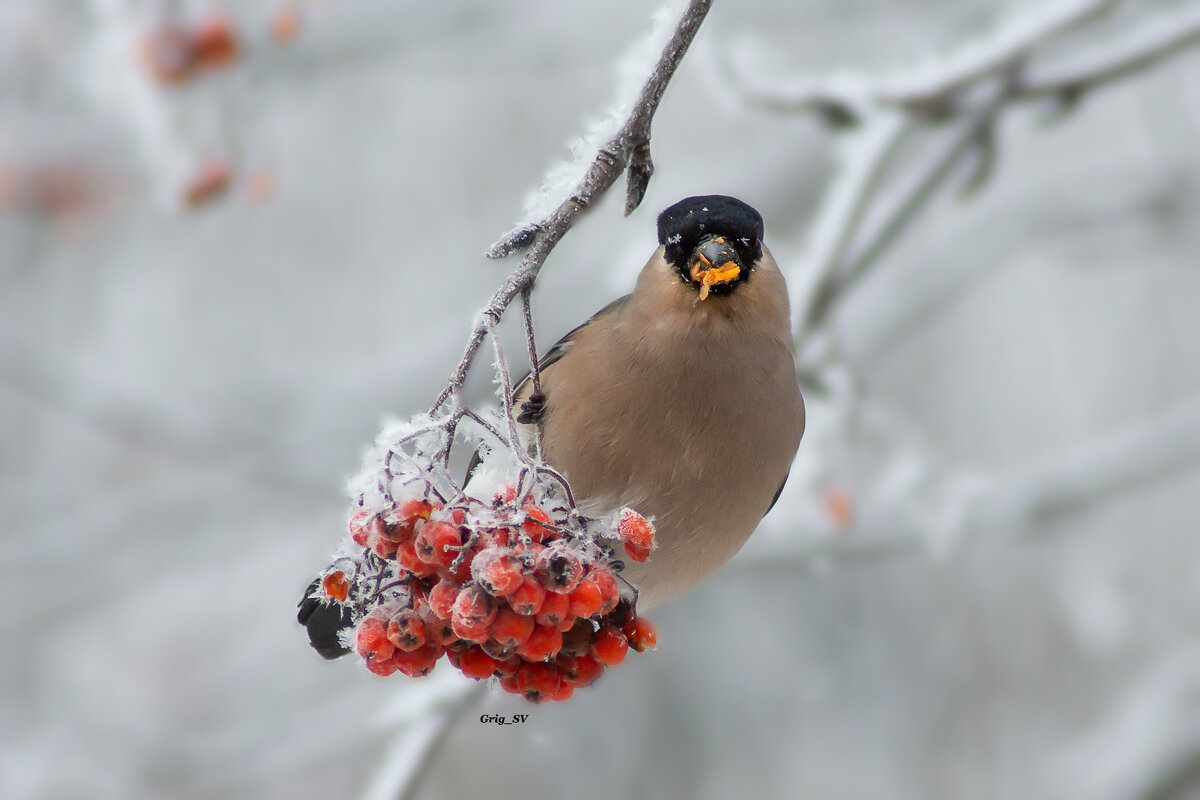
point(713, 242)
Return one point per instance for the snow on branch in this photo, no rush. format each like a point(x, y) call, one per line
point(903, 138)
point(956, 99)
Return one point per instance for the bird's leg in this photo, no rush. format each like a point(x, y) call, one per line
point(533, 409)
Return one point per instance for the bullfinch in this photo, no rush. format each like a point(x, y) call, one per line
point(679, 400)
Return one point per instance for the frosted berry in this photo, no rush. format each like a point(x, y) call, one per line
point(474, 663)
point(641, 633)
point(438, 629)
point(406, 630)
point(555, 610)
point(474, 611)
point(417, 663)
point(610, 646)
point(360, 528)
point(559, 569)
point(606, 584)
point(407, 556)
point(586, 599)
point(580, 670)
point(533, 525)
point(336, 586)
point(538, 682)
point(497, 571)
point(542, 644)
point(441, 599)
point(371, 639)
point(528, 599)
point(434, 541)
point(636, 534)
point(510, 628)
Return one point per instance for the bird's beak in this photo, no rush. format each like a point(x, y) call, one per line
point(714, 263)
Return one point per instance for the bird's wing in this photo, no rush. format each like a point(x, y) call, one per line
point(778, 492)
point(552, 356)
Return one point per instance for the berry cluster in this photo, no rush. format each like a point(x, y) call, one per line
point(506, 590)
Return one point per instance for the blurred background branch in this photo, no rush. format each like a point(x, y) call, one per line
point(232, 236)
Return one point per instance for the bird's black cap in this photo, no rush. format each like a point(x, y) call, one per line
point(681, 227)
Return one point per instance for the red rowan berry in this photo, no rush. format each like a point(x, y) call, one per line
point(371, 639)
point(384, 548)
point(564, 692)
point(474, 611)
point(336, 586)
point(460, 575)
point(433, 540)
point(471, 632)
point(586, 599)
point(441, 599)
point(406, 555)
point(636, 533)
point(417, 663)
point(607, 584)
point(559, 568)
point(542, 644)
point(382, 667)
point(474, 663)
point(532, 524)
point(438, 629)
point(406, 630)
point(360, 529)
point(510, 628)
point(496, 649)
point(496, 571)
point(509, 683)
point(579, 670)
point(528, 599)
point(538, 682)
point(555, 611)
point(641, 633)
point(509, 666)
point(610, 646)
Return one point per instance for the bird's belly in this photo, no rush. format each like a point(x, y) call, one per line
point(706, 469)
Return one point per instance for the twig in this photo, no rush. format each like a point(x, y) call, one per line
point(969, 93)
point(1139, 50)
point(629, 148)
point(925, 90)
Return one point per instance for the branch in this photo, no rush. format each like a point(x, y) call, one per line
point(628, 149)
point(926, 88)
point(967, 93)
point(1043, 491)
point(1141, 49)
point(415, 750)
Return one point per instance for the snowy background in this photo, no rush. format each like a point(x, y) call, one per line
point(183, 392)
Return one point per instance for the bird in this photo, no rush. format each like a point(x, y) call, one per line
point(679, 400)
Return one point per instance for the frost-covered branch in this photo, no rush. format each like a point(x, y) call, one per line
point(628, 149)
point(950, 504)
point(424, 732)
point(959, 99)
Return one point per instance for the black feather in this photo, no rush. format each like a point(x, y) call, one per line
point(681, 227)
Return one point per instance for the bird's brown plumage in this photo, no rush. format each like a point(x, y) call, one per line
point(683, 409)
